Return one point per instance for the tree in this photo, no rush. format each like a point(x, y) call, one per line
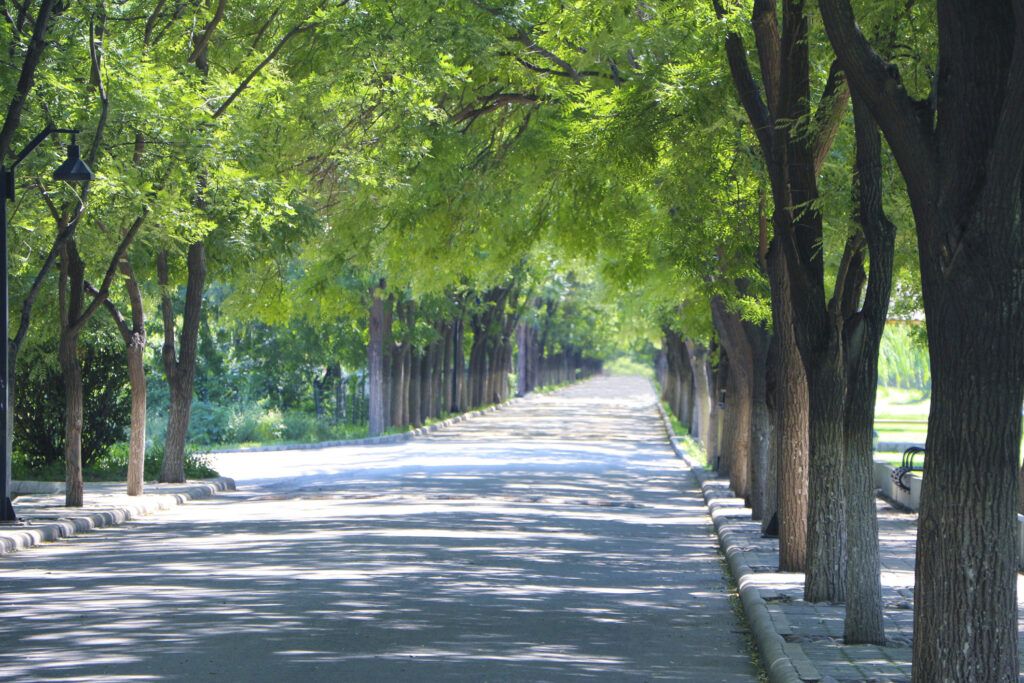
point(961, 152)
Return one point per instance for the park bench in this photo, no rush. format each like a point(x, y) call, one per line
point(907, 466)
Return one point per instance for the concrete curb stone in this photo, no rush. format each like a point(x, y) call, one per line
point(784, 662)
point(40, 524)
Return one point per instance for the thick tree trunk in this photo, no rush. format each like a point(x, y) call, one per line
point(445, 399)
point(522, 358)
point(701, 423)
point(459, 368)
point(965, 611)
point(740, 400)
point(71, 298)
point(415, 380)
point(826, 501)
point(718, 383)
point(71, 370)
point(181, 367)
point(770, 513)
point(790, 415)
point(375, 362)
point(760, 423)
point(863, 335)
point(397, 386)
point(684, 390)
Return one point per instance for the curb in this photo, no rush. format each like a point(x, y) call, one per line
point(387, 438)
point(31, 532)
point(782, 661)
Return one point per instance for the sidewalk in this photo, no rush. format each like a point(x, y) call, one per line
point(800, 641)
point(44, 517)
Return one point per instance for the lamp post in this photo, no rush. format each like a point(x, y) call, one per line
point(72, 170)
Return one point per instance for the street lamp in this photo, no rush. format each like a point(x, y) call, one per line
point(73, 170)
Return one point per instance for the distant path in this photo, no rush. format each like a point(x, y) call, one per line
point(554, 540)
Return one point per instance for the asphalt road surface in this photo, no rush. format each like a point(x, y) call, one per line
point(555, 540)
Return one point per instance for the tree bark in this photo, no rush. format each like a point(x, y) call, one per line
point(790, 415)
point(701, 423)
point(415, 388)
point(826, 497)
point(718, 383)
point(760, 424)
point(135, 343)
point(863, 336)
point(734, 339)
point(71, 295)
point(375, 361)
point(962, 165)
point(180, 367)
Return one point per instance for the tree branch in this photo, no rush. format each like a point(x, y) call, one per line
point(296, 30)
point(204, 38)
point(122, 326)
point(76, 326)
point(493, 103)
point(746, 88)
point(829, 113)
point(910, 137)
point(27, 78)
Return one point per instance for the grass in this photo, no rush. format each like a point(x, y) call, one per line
point(901, 416)
point(112, 466)
point(624, 365)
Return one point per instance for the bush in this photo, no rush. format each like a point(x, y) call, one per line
point(209, 423)
point(113, 466)
point(39, 400)
point(270, 426)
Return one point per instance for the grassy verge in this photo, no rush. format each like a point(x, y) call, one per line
point(111, 467)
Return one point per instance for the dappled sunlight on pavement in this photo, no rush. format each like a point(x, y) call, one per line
point(556, 539)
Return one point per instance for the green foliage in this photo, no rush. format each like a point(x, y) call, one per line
point(903, 358)
point(39, 404)
point(627, 365)
point(112, 466)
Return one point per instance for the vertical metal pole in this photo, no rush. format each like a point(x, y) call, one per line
point(6, 509)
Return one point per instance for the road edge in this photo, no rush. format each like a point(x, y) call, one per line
point(28, 533)
point(777, 656)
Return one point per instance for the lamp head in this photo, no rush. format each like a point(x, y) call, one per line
point(73, 170)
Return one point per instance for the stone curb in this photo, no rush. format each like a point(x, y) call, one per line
point(38, 528)
point(782, 661)
point(387, 438)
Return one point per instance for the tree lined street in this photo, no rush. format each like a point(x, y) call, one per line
point(555, 539)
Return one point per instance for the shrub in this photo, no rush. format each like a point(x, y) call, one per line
point(39, 400)
point(270, 426)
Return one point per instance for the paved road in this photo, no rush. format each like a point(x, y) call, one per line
point(555, 540)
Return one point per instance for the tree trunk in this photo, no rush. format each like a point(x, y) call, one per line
point(136, 351)
point(415, 389)
point(375, 362)
point(447, 369)
point(790, 417)
point(760, 424)
point(770, 513)
point(459, 368)
point(863, 335)
point(701, 423)
point(718, 382)
point(180, 368)
point(398, 387)
point(826, 502)
point(71, 370)
point(737, 346)
point(71, 296)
